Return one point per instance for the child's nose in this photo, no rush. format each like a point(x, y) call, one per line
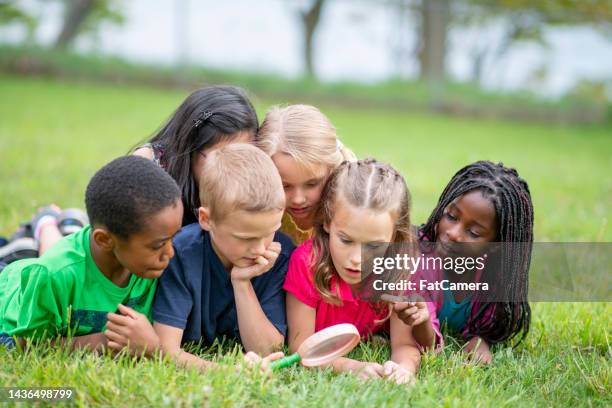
point(260, 248)
point(355, 257)
point(298, 198)
point(454, 233)
point(168, 253)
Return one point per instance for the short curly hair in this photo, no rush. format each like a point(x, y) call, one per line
point(126, 192)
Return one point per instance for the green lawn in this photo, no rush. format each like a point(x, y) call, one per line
point(53, 137)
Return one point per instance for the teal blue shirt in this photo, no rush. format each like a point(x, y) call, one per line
point(454, 315)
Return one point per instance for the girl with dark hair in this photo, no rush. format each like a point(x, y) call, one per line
point(208, 118)
point(485, 203)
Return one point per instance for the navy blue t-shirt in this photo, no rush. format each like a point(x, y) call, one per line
point(195, 292)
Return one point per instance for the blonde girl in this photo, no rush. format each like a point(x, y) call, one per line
point(304, 146)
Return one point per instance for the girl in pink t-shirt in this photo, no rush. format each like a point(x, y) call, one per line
point(363, 203)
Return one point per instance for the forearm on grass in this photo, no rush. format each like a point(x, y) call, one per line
point(424, 334)
point(257, 333)
point(170, 345)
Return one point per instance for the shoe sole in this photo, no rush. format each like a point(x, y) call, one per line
point(18, 249)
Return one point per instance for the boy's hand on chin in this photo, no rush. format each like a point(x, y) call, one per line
point(262, 265)
point(131, 329)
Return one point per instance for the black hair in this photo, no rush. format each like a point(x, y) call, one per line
point(206, 117)
point(126, 192)
point(497, 322)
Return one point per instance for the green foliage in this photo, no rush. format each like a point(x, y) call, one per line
point(11, 13)
point(104, 11)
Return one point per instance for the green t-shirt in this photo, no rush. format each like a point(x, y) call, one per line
point(64, 291)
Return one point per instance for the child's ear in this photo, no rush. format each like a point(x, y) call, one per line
point(326, 227)
point(204, 218)
point(103, 239)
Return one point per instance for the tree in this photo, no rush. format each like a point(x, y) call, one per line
point(524, 20)
point(10, 13)
point(435, 17)
point(310, 20)
point(85, 15)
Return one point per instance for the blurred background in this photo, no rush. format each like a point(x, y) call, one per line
point(554, 50)
point(429, 85)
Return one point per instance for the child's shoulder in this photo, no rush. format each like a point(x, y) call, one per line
point(189, 237)
point(65, 260)
point(32, 272)
point(304, 250)
point(287, 245)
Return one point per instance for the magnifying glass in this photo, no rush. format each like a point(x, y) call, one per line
point(322, 347)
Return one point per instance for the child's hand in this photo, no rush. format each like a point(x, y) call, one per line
point(130, 329)
point(478, 351)
point(262, 265)
point(398, 373)
point(368, 370)
point(412, 313)
point(253, 360)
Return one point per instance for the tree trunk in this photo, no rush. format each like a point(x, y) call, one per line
point(76, 13)
point(435, 17)
point(310, 20)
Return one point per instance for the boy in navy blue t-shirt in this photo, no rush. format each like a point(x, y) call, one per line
point(227, 274)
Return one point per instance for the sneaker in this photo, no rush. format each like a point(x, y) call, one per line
point(20, 248)
point(26, 229)
point(71, 220)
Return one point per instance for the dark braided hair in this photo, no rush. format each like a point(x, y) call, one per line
point(497, 322)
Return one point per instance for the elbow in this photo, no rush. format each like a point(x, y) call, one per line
point(270, 345)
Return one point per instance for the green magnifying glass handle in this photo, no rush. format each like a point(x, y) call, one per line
point(285, 361)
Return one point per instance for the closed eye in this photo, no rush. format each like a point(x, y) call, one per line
point(473, 234)
point(450, 216)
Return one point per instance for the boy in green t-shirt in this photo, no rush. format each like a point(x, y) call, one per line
point(111, 265)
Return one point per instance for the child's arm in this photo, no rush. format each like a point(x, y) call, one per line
point(93, 342)
point(416, 315)
point(405, 355)
point(133, 330)
point(170, 344)
point(478, 349)
point(301, 321)
point(257, 333)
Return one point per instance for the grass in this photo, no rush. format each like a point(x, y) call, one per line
point(54, 135)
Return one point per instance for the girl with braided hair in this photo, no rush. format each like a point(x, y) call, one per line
point(485, 203)
point(363, 203)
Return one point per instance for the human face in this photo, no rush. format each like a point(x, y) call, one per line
point(197, 158)
point(469, 220)
point(241, 236)
point(303, 186)
point(148, 252)
point(349, 230)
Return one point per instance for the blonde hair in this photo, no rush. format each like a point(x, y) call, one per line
point(363, 184)
point(240, 176)
point(304, 133)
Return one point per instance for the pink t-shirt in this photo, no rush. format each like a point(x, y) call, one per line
point(300, 283)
